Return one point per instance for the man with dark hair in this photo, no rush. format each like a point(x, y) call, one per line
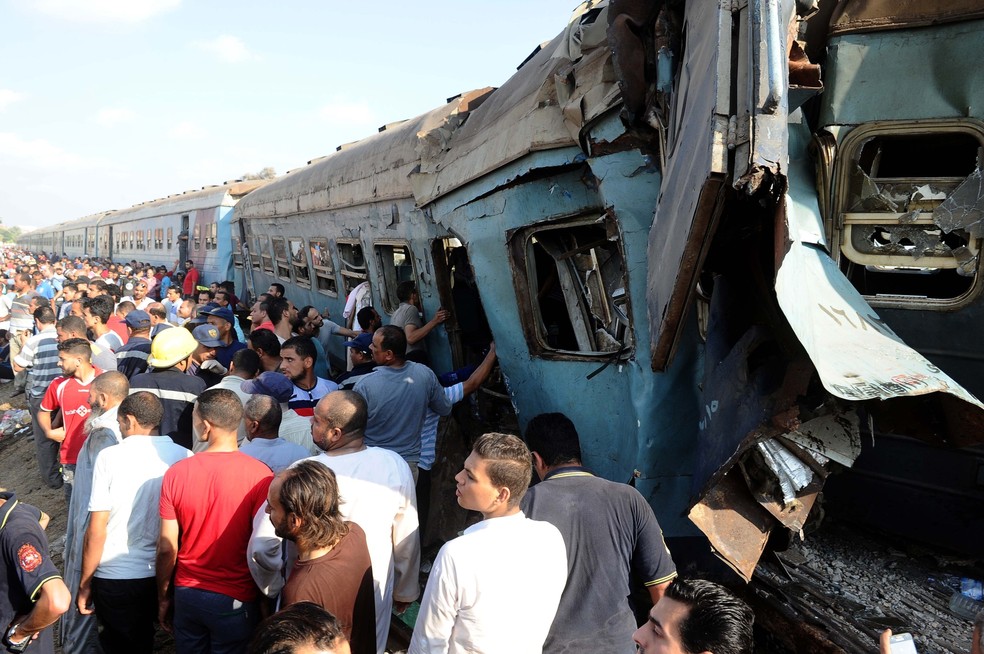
point(276, 290)
point(259, 317)
point(22, 307)
point(207, 499)
point(378, 494)
point(610, 532)
point(262, 416)
point(472, 601)
point(297, 357)
point(360, 356)
point(116, 320)
point(369, 320)
point(279, 311)
point(117, 578)
point(333, 567)
point(70, 394)
point(70, 292)
point(171, 302)
point(131, 359)
point(407, 317)
point(244, 366)
point(398, 393)
point(298, 629)
point(266, 344)
point(39, 358)
point(97, 311)
point(223, 319)
point(170, 356)
point(74, 327)
point(105, 394)
point(695, 617)
point(190, 284)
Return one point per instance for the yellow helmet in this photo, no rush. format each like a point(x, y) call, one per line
point(171, 346)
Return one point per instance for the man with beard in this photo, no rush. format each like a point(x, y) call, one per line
point(223, 319)
point(70, 394)
point(117, 576)
point(78, 632)
point(297, 357)
point(321, 330)
point(333, 568)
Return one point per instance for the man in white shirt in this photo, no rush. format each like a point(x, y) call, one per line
point(293, 427)
point(378, 494)
point(495, 588)
point(118, 560)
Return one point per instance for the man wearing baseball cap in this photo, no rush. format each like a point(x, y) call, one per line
point(360, 354)
point(131, 359)
point(203, 361)
point(223, 319)
point(170, 357)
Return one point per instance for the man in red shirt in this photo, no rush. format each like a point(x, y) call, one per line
point(207, 507)
point(70, 394)
point(190, 285)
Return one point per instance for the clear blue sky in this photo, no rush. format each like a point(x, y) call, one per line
point(106, 103)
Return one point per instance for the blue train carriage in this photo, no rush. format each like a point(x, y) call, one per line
point(78, 237)
point(823, 290)
point(152, 232)
point(350, 219)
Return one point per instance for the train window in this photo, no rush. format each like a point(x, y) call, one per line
point(257, 251)
point(353, 264)
point(198, 236)
point(395, 263)
point(324, 268)
point(902, 194)
point(237, 252)
point(298, 261)
point(170, 237)
point(280, 254)
point(573, 275)
point(132, 240)
point(212, 241)
point(150, 238)
point(140, 239)
point(267, 257)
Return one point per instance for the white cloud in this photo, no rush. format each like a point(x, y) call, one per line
point(8, 97)
point(104, 11)
point(38, 153)
point(187, 130)
point(110, 116)
point(345, 112)
point(227, 48)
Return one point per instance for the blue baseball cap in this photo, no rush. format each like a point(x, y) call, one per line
point(208, 336)
point(221, 312)
point(361, 343)
point(274, 384)
point(137, 319)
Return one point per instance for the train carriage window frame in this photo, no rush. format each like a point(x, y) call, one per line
point(237, 253)
point(350, 253)
point(324, 275)
point(888, 177)
point(170, 237)
point(297, 251)
point(280, 257)
point(573, 289)
point(140, 239)
point(197, 236)
point(257, 259)
point(212, 238)
point(390, 272)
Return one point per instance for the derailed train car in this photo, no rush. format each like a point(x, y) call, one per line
point(731, 281)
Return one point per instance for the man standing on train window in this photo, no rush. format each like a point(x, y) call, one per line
point(610, 532)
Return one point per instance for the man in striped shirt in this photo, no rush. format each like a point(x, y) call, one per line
point(39, 357)
point(131, 359)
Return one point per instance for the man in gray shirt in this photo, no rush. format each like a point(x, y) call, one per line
point(398, 393)
point(407, 317)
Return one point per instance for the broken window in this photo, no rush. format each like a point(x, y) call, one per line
point(898, 190)
point(395, 266)
point(298, 261)
point(353, 264)
point(261, 242)
point(237, 252)
point(280, 254)
point(577, 289)
point(324, 267)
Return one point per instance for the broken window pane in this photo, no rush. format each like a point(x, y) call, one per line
point(298, 261)
point(324, 268)
point(353, 264)
point(892, 243)
point(280, 255)
point(577, 287)
point(395, 266)
point(237, 253)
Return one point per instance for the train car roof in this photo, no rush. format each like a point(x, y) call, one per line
point(559, 88)
point(76, 223)
point(209, 197)
point(375, 169)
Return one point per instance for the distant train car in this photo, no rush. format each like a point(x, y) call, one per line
point(78, 237)
point(193, 224)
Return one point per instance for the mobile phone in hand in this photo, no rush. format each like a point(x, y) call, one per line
point(902, 644)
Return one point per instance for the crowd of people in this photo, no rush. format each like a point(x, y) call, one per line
point(225, 483)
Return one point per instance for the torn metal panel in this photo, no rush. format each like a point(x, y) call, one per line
point(855, 16)
point(694, 176)
point(964, 208)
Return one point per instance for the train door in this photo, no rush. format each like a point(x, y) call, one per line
point(109, 244)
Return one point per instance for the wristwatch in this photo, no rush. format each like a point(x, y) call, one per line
point(15, 646)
